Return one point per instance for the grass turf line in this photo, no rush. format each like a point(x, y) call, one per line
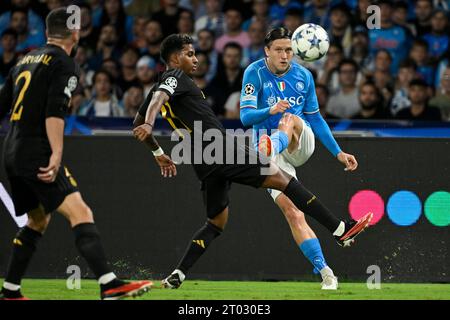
point(244, 290)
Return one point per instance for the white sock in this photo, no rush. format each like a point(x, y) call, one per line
point(11, 286)
point(180, 274)
point(106, 278)
point(340, 229)
point(326, 272)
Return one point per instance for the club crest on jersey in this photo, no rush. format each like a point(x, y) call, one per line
point(299, 86)
point(271, 101)
point(281, 85)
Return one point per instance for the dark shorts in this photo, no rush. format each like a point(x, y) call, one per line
point(28, 192)
point(216, 186)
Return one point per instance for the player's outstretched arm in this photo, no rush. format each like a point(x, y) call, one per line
point(323, 132)
point(143, 129)
point(150, 141)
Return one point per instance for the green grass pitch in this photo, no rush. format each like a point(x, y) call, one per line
point(244, 290)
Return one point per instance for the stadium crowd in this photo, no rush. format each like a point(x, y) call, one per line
point(399, 71)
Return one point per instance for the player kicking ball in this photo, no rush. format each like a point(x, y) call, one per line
point(38, 90)
point(278, 93)
point(183, 104)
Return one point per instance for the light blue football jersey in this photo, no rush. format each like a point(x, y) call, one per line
point(262, 89)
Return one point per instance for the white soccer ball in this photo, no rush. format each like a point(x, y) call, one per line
point(310, 42)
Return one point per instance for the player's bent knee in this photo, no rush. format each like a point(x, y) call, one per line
point(76, 210)
point(220, 220)
point(38, 220)
point(39, 225)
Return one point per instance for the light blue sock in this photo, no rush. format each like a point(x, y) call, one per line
point(280, 141)
point(313, 252)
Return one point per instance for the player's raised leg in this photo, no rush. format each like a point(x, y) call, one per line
point(307, 241)
point(24, 246)
point(303, 199)
point(290, 128)
point(87, 240)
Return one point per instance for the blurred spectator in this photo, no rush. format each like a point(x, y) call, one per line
point(278, 10)
point(35, 23)
point(419, 109)
point(360, 49)
point(198, 7)
point(128, 74)
point(107, 47)
point(232, 106)
point(442, 4)
point(400, 17)
point(153, 37)
point(257, 33)
point(385, 83)
point(438, 39)
point(316, 11)
point(142, 7)
point(214, 19)
point(54, 4)
point(293, 19)
point(8, 58)
point(382, 61)
point(205, 43)
point(186, 23)
point(234, 33)
point(199, 76)
point(114, 13)
point(81, 58)
point(260, 9)
point(97, 10)
point(340, 30)
point(442, 99)
point(88, 34)
point(390, 37)
point(26, 41)
point(168, 16)
point(228, 79)
point(323, 95)
point(423, 11)
point(146, 73)
point(77, 100)
point(139, 23)
point(371, 102)
point(132, 100)
point(104, 102)
point(112, 67)
point(328, 75)
point(361, 15)
point(344, 103)
point(419, 54)
point(406, 73)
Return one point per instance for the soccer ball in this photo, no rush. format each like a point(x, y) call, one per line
point(310, 42)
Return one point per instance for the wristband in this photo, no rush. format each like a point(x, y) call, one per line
point(158, 152)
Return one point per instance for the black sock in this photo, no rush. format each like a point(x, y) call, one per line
point(87, 240)
point(24, 245)
point(201, 240)
point(310, 205)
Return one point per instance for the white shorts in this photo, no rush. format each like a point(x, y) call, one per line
point(289, 161)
